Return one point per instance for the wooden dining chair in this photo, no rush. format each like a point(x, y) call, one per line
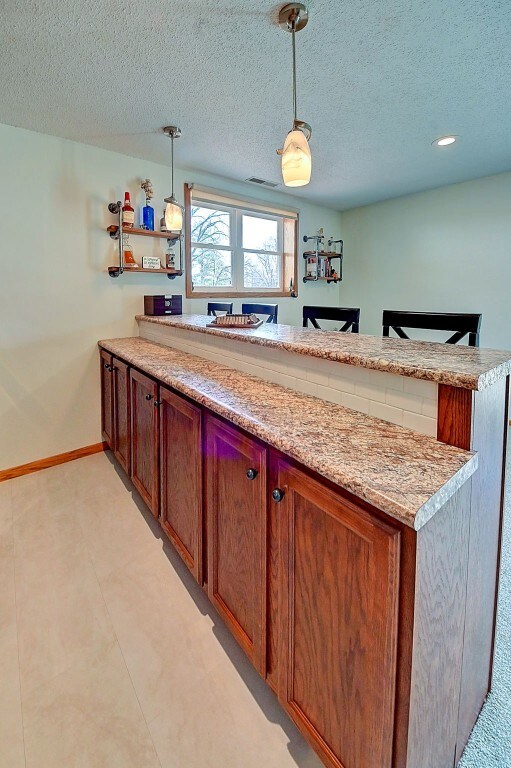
point(350, 316)
point(262, 309)
point(218, 306)
point(460, 324)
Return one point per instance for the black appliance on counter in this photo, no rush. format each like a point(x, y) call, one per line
point(163, 305)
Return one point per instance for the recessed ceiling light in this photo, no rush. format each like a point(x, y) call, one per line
point(444, 141)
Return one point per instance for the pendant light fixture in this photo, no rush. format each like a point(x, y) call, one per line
point(173, 211)
point(296, 154)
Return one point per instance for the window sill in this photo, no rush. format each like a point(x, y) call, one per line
point(240, 294)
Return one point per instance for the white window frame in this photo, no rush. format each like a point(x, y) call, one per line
point(238, 251)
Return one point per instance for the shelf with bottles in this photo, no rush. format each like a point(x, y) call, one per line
point(173, 264)
point(171, 273)
point(319, 261)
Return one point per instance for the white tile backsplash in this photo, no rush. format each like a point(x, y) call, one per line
point(408, 402)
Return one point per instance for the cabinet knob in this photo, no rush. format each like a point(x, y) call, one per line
point(277, 494)
point(252, 474)
point(107, 366)
point(157, 403)
point(148, 397)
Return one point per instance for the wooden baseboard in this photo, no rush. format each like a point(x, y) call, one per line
point(51, 461)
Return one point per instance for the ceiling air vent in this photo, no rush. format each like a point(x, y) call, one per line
point(262, 182)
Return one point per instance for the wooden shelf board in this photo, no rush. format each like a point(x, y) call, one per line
point(328, 279)
point(322, 254)
point(176, 272)
point(144, 232)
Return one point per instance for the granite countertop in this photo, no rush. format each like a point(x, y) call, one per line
point(459, 366)
point(405, 474)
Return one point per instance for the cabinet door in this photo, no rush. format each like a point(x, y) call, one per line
point(121, 413)
point(144, 438)
point(338, 594)
point(105, 360)
point(181, 477)
point(236, 534)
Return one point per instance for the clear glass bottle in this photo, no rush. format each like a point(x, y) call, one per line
point(129, 259)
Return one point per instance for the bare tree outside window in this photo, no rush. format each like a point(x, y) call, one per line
point(211, 266)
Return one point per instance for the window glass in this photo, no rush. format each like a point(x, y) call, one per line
point(259, 234)
point(210, 226)
point(261, 270)
point(211, 267)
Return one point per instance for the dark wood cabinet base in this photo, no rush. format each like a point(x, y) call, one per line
point(376, 638)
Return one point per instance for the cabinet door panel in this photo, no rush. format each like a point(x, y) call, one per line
point(338, 611)
point(121, 414)
point(236, 533)
point(181, 477)
point(105, 361)
point(144, 439)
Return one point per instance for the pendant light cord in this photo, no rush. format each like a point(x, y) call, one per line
point(293, 30)
point(172, 161)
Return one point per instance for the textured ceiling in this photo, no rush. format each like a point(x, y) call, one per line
point(378, 80)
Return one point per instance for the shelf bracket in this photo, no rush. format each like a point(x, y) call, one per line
point(116, 208)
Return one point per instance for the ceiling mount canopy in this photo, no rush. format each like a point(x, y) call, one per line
point(296, 154)
point(173, 211)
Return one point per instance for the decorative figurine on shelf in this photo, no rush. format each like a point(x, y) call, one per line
point(147, 210)
point(129, 259)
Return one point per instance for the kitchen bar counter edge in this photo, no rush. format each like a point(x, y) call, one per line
point(473, 368)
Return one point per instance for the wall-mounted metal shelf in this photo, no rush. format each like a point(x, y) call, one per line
point(318, 256)
point(121, 269)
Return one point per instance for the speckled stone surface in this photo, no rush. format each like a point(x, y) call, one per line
point(405, 474)
point(460, 366)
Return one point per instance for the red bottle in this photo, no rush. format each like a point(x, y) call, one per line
point(128, 214)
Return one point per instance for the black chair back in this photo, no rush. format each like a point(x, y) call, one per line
point(459, 323)
point(350, 316)
point(218, 306)
point(262, 309)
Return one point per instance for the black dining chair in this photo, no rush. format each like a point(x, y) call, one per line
point(262, 309)
point(218, 306)
point(350, 316)
point(460, 324)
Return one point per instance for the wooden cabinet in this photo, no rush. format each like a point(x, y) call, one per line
point(236, 533)
point(181, 477)
point(338, 609)
point(105, 362)
point(121, 445)
point(144, 438)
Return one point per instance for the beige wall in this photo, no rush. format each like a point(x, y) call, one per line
point(56, 299)
point(447, 250)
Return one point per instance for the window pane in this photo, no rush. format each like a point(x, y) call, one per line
point(211, 267)
point(210, 226)
point(261, 270)
point(259, 234)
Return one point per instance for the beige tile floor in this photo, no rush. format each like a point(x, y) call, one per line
point(110, 654)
